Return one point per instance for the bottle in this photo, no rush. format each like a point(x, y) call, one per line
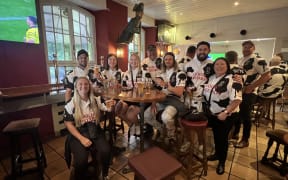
point(102, 63)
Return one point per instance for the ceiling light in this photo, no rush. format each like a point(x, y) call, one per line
point(236, 3)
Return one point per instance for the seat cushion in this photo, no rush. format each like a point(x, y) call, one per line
point(191, 124)
point(154, 164)
point(21, 125)
point(278, 135)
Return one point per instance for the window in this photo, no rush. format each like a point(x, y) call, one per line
point(67, 29)
point(137, 45)
point(134, 46)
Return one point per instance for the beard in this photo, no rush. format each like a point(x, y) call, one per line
point(202, 57)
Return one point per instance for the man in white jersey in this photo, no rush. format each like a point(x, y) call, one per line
point(190, 54)
point(197, 72)
point(81, 70)
point(279, 77)
point(257, 73)
point(151, 63)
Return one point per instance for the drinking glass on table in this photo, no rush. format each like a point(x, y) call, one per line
point(141, 86)
point(149, 85)
point(114, 84)
point(109, 104)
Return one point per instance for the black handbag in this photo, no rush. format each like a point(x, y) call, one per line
point(195, 117)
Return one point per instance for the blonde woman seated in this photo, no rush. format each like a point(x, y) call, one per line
point(134, 73)
point(81, 117)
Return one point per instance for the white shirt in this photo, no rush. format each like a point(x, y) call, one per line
point(254, 67)
point(88, 114)
point(275, 86)
point(222, 94)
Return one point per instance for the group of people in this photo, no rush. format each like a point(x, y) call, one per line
point(226, 87)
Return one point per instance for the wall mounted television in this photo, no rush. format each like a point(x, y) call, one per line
point(214, 56)
point(18, 21)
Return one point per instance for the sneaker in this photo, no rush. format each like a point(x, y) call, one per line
point(242, 144)
point(220, 168)
point(200, 148)
point(185, 147)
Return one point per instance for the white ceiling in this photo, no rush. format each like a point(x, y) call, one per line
point(183, 11)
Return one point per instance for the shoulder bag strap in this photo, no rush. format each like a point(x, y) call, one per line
point(213, 88)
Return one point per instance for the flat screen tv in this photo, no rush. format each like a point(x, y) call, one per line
point(18, 21)
point(214, 56)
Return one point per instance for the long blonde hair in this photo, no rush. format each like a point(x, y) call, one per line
point(138, 59)
point(77, 102)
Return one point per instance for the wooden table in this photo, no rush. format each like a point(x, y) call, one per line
point(148, 96)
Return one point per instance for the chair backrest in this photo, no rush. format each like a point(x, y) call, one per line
point(285, 93)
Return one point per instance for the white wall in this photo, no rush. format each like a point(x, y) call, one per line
point(266, 24)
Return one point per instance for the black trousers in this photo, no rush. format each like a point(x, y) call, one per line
point(246, 107)
point(100, 151)
point(221, 131)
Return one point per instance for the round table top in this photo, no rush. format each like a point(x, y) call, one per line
point(148, 95)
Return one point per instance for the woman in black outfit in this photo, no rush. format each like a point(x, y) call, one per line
point(223, 98)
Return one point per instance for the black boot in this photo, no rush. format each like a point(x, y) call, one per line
point(220, 168)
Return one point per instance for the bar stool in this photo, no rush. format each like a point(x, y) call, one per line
point(17, 129)
point(263, 110)
point(188, 126)
point(279, 164)
point(154, 164)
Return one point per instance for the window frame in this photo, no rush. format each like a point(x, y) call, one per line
point(68, 63)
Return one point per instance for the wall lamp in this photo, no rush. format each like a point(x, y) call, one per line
point(119, 52)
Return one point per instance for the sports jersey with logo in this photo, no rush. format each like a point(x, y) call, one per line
point(222, 94)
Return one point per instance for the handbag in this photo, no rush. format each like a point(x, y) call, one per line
point(195, 117)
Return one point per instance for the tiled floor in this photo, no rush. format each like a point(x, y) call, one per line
point(241, 163)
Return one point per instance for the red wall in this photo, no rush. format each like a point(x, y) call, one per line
point(109, 25)
point(150, 36)
point(22, 64)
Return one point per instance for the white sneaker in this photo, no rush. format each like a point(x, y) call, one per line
point(185, 147)
point(200, 148)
